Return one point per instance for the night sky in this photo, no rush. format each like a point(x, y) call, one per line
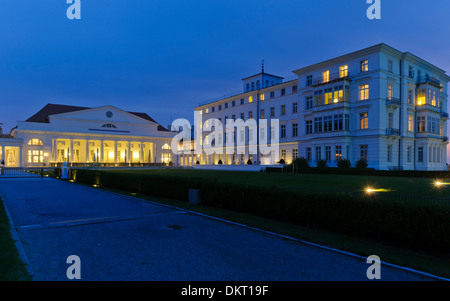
point(165, 57)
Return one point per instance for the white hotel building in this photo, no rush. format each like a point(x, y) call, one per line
point(377, 104)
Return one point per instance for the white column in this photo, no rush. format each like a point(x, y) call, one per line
point(87, 152)
point(128, 152)
point(141, 154)
point(115, 152)
point(101, 151)
point(71, 151)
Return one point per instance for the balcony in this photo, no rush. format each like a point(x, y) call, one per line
point(429, 80)
point(332, 78)
point(444, 115)
point(393, 102)
point(392, 132)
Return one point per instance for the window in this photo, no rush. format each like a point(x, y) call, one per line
point(363, 121)
point(233, 103)
point(166, 146)
point(364, 152)
point(261, 96)
point(328, 153)
point(390, 91)
point(308, 102)
point(226, 105)
point(421, 124)
point(421, 97)
point(283, 131)
point(258, 85)
point(328, 123)
point(283, 92)
point(389, 153)
point(295, 129)
point(220, 107)
point(309, 80)
point(390, 120)
point(294, 107)
point(364, 66)
point(410, 96)
point(338, 152)
point(283, 154)
point(411, 72)
point(318, 153)
point(326, 76)
point(364, 92)
point(343, 71)
point(308, 154)
point(338, 122)
point(253, 86)
point(250, 99)
point(338, 94)
point(212, 109)
point(294, 89)
point(272, 111)
point(318, 125)
point(250, 115)
point(308, 127)
point(410, 123)
point(108, 125)
point(294, 154)
point(36, 156)
point(390, 65)
point(242, 116)
point(247, 87)
point(420, 154)
point(318, 98)
point(328, 96)
point(35, 141)
point(262, 113)
point(433, 99)
point(283, 109)
point(272, 94)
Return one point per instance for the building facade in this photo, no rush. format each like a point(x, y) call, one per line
point(380, 105)
point(77, 135)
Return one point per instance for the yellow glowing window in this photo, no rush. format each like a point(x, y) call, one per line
point(338, 96)
point(250, 99)
point(433, 100)
point(363, 121)
point(166, 146)
point(390, 91)
point(206, 111)
point(421, 97)
point(343, 71)
point(35, 141)
point(326, 76)
point(328, 98)
point(410, 123)
point(364, 92)
point(261, 97)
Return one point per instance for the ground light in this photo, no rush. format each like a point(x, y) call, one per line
point(370, 190)
point(439, 183)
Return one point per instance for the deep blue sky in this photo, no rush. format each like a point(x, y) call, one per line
point(164, 57)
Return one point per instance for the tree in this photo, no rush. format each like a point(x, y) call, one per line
point(361, 164)
point(301, 163)
point(344, 163)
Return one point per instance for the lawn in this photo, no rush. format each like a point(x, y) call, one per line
point(409, 188)
point(11, 266)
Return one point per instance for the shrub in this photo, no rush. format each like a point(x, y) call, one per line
point(301, 163)
point(321, 164)
point(344, 163)
point(249, 162)
point(220, 162)
point(361, 164)
point(281, 161)
point(198, 162)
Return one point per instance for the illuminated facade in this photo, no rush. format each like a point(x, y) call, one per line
point(378, 104)
point(105, 135)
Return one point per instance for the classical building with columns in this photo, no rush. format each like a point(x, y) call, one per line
point(78, 135)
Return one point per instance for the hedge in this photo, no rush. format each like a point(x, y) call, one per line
point(417, 225)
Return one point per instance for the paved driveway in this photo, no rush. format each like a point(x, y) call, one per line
point(123, 238)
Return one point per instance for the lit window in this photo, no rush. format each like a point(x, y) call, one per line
point(338, 94)
point(35, 141)
point(250, 99)
point(364, 92)
point(166, 146)
point(421, 97)
point(363, 121)
point(261, 97)
point(326, 76)
point(390, 91)
point(343, 71)
point(410, 123)
point(328, 96)
point(364, 66)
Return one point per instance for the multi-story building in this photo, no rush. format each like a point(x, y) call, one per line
point(378, 104)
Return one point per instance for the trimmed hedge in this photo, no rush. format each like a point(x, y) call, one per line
point(417, 225)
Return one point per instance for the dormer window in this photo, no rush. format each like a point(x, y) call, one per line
point(109, 125)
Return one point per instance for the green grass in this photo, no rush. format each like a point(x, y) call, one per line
point(313, 183)
point(11, 266)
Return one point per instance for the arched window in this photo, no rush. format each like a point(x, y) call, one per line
point(258, 85)
point(35, 141)
point(166, 146)
point(253, 86)
point(267, 84)
point(248, 87)
point(109, 125)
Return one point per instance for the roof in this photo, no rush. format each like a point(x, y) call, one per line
point(6, 136)
point(262, 73)
point(54, 109)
